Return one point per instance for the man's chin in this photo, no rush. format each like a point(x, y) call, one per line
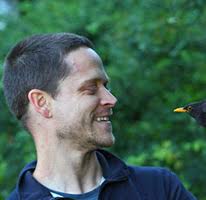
point(108, 142)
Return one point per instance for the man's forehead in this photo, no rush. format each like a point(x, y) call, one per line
point(82, 58)
point(95, 74)
point(86, 64)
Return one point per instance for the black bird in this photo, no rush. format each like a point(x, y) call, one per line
point(197, 110)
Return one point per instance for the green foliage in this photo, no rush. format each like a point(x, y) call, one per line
point(154, 52)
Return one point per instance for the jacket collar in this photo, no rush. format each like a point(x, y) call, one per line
point(113, 168)
point(29, 188)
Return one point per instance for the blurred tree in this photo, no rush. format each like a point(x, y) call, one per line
point(154, 52)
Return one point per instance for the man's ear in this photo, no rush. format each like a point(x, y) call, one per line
point(40, 101)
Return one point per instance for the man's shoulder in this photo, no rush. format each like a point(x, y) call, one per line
point(150, 173)
point(159, 179)
point(149, 170)
point(13, 195)
point(154, 175)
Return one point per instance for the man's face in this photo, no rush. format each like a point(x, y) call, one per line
point(83, 106)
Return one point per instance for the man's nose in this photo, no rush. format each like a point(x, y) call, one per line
point(108, 98)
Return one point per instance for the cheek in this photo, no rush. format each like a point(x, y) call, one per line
point(85, 109)
point(75, 109)
point(62, 109)
point(89, 104)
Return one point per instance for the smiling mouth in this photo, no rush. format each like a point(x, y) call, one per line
point(102, 119)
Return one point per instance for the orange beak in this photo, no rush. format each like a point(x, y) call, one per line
point(180, 110)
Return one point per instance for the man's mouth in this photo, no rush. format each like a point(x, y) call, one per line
point(102, 119)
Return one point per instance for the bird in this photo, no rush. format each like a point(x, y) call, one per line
point(197, 110)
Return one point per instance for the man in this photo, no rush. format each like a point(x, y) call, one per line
point(56, 85)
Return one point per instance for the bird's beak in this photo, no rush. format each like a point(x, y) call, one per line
point(180, 110)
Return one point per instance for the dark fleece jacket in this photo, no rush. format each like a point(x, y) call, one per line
point(121, 182)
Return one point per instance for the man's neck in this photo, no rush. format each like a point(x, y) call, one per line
point(69, 172)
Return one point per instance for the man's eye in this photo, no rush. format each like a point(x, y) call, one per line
point(91, 89)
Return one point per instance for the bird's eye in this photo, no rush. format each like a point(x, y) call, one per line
point(189, 108)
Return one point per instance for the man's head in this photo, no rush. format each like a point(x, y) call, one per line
point(37, 62)
point(82, 109)
point(60, 81)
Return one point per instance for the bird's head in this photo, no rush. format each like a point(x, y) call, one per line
point(197, 110)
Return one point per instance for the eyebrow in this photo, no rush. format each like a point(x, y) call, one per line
point(94, 80)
